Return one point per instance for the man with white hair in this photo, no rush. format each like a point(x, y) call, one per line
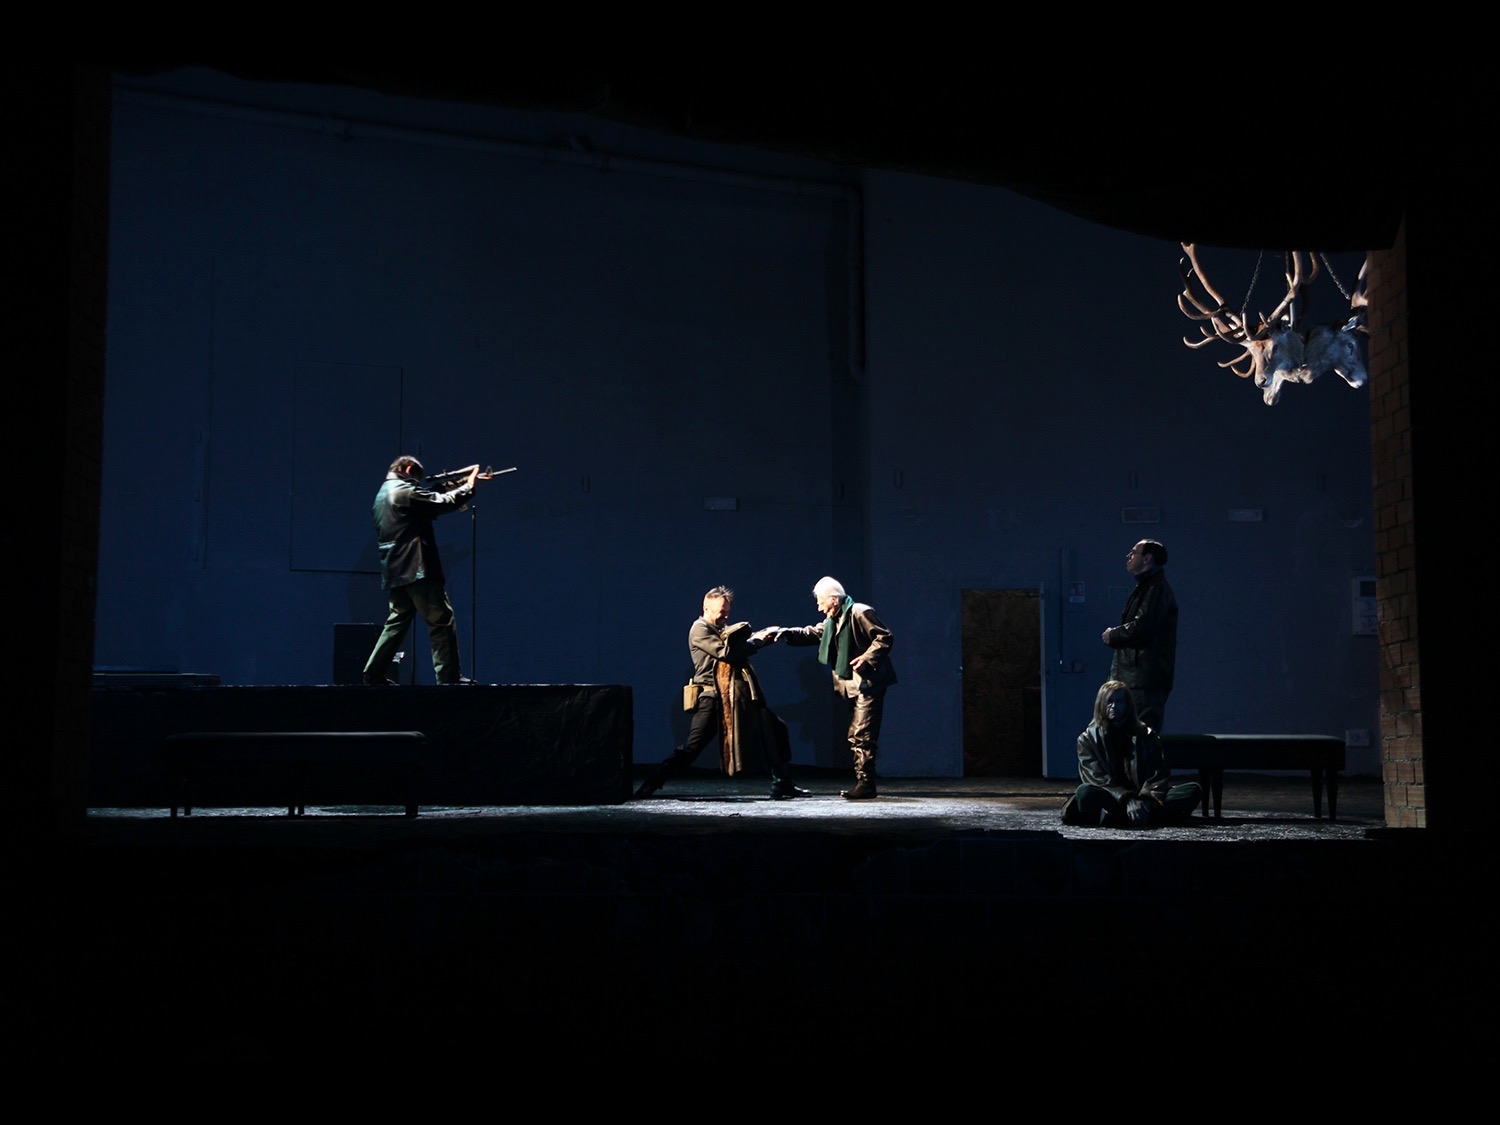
point(856, 646)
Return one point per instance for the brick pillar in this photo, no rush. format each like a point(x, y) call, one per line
point(1395, 540)
point(1432, 447)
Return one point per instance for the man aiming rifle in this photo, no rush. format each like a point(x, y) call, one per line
point(411, 570)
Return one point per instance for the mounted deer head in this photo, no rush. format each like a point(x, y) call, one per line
point(1336, 348)
point(1273, 349)
point(1275, 352)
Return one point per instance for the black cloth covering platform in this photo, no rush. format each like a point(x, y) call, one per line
point(486, 744)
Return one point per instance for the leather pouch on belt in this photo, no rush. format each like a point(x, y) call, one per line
point(690, 693)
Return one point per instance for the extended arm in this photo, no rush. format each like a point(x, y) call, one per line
point(708, 645)
point(434, 503)
point(796, 635)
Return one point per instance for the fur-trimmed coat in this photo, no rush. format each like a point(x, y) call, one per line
point(750, 735)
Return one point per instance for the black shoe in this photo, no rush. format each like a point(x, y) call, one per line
point(647, 788)
point(862, 791)
point(451, 683)
point(373, 680)
point(784, 791)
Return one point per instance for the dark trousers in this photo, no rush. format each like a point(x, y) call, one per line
point(704, 728)
point(1096, 807)
point(429, 597)
point(1150, 707)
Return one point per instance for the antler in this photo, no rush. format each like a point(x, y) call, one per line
point(1226, 325)
point(1275, 352)
point(1273, 348)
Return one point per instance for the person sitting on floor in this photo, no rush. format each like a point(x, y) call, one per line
point(1123, 780)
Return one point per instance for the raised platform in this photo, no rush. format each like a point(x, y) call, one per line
point(524, 744)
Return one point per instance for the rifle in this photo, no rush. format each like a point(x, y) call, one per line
point(446, 481)
point(453, 478)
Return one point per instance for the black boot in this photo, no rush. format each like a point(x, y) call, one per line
point(657, 778)
point(864, 777)
point(782, 789)
point(650, 785)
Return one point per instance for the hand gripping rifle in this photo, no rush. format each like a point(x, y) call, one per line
point(453, 478)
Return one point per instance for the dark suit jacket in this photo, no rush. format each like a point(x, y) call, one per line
point(403, 513)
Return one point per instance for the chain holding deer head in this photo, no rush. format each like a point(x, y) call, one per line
point(1276, 351)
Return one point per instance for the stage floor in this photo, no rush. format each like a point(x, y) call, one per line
point(1256, 807)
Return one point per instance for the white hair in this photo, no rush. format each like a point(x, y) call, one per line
point(828, 586)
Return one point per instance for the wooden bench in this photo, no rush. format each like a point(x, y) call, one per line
point(1212, 754)
point(292, 754)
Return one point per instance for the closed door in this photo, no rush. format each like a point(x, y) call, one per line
point(1002, 682)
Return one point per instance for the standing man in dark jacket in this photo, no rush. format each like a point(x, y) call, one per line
point(856, 646)
point(1145, 640)
point(411, 570)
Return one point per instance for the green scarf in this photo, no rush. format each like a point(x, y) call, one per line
point(837, 626)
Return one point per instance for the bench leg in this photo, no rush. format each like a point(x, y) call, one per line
point(1322, 777)
point(294, 774)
